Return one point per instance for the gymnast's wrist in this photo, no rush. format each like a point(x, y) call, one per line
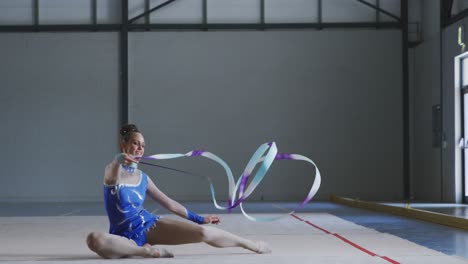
point(195, 218)
point(120, 157)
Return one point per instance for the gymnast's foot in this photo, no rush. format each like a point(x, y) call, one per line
point(263, 248)
point(158, 252)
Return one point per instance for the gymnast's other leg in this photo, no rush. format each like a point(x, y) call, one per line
point(112, 246)
point(173, 232)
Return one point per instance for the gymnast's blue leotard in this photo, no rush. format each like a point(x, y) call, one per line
point(124, 206)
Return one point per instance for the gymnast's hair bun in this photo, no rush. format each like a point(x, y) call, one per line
point(128, 129)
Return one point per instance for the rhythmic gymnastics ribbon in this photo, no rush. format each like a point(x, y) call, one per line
point(264, 155)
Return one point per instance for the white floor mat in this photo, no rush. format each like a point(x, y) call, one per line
point(305, 238)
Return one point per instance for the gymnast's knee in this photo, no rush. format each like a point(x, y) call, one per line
point(207, 234)
point(95, 241)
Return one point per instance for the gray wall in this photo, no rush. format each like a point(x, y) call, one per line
point(426, 160)
point(59, 114)
point(334, 96)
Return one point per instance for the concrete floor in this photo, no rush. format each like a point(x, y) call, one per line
point(321, 232)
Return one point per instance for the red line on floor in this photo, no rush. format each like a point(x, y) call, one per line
point(297, 217)
point(318, 227)
point(347, 241)
point(356, 245)
point(390, 260)
point(309, 223)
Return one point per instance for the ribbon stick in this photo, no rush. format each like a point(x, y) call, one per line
point(239, 191)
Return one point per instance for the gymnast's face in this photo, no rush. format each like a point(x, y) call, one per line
point(135, 145)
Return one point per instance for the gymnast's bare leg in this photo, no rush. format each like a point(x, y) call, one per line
point(173, 232)
point(112, 246)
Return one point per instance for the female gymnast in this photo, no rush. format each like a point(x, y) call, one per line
point(133, 230)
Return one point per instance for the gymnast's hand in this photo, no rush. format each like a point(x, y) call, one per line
point(211, 219)
point(125, 159)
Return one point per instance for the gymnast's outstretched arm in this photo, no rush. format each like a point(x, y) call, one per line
point(175, 207)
